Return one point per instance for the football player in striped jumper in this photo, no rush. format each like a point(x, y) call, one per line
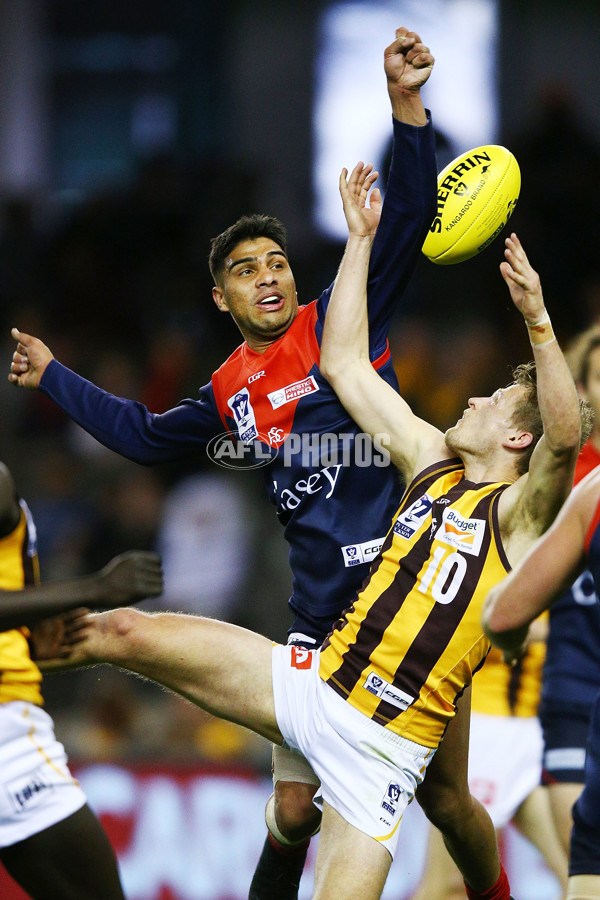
point(51, 842)
point(371, 706)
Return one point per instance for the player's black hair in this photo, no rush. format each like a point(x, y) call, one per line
point(247, 228)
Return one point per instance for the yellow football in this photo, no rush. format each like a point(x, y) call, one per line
point(477, 193)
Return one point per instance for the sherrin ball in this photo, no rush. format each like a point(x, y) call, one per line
point(477, 193)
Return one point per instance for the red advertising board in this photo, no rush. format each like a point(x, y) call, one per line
point(196, 833)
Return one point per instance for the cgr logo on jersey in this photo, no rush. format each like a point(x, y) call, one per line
point(257, 375)
point(355, 554)
point(243, 414)
point(409, 522)
point(462, 534)
point(293, 392)
point(387, 692)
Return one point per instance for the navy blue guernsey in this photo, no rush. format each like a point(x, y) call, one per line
point(572, 665)
point(335, 493)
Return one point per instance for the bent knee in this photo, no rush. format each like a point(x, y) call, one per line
point(446, 805)
point(295, 813)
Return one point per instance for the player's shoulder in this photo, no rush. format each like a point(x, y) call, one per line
point(9, 503)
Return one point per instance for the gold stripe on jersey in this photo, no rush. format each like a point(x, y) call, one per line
point(20, 678)
point(502, 690)
point(412, 639)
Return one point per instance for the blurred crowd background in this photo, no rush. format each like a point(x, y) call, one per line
point(204, 110)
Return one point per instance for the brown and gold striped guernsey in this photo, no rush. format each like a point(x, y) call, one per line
point(502, 690)
point(20, 678)
point(412, 639)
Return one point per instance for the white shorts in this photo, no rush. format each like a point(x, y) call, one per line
point(505, 762)
point(36, 788)
point(368, 774)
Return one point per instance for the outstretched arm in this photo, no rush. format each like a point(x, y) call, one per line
point(345, 362)
point(123, 425)
point(410, 196)
point(545, 572)
point(531, 504)
point(127, 578)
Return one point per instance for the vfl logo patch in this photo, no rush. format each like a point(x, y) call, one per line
point(386, 691)
point(355, 554)
point(301, 658)
point(462, 534)
point(243, 414)
point(26, 792)
point(390, 802)
point(412, 518)
point(293, 392)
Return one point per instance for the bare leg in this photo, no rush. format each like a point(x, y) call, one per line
point(67, 861)
point(222, 668)
point(534, 819)
point(563, 796)
point(291, 818)
point(350, 865)
point(441, 879)
point(445, 798)
point(295, 814)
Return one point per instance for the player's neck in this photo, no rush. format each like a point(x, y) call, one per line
point(261, 345)
point(484, 471)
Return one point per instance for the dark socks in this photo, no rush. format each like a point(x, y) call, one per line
point(498, 891)
point(279, 870)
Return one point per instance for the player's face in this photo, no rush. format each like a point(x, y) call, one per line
point(591, 389)
point(487, 422)
point(259, 291)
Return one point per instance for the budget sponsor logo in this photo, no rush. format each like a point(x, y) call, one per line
point(461, 533)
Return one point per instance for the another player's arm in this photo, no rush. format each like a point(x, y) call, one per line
point(126, 579)
point(411, 190)
point(530, 505)
point(544, 573)
point(345, 362)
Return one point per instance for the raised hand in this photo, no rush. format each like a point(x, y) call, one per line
point(132, 576)
point(362, 219)
point(29, 360)
point(407, 62)
point(522, 280)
